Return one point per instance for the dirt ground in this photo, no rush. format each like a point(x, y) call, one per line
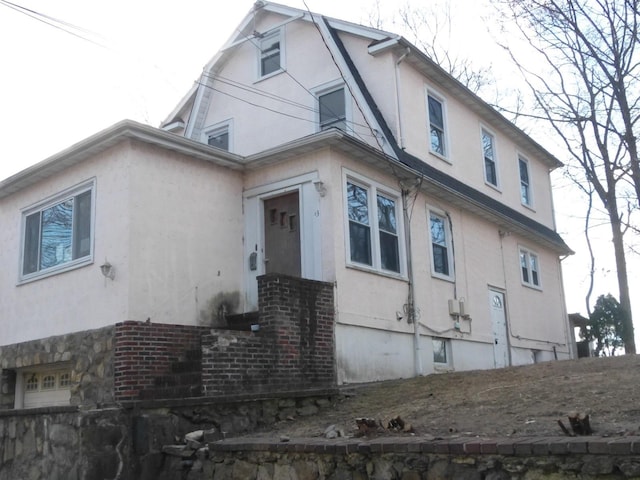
point(516, 401)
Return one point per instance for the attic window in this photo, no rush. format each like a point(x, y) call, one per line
point(270, 54)
point(219, 135)
point(331, 107)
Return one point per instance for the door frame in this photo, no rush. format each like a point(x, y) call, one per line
point(254, 239)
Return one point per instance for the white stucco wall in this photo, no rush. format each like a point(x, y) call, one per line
point(170, 226)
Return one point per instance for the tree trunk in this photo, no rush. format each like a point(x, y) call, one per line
point(623, 279)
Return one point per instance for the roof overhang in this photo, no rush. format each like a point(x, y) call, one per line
point(101, 141)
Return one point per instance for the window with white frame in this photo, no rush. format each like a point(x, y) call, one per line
point(332, 110)
point(57, 233)
point(529, 268)
point(373, 214)
point(219, 137)
point(437, 132)
point(441, 246)
point(270, 53)
point(489, 154)
point(525, 185)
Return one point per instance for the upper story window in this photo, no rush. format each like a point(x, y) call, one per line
point(529, 268)
point(489, 154)
point(332, 109)
point(271, 53)
point(373, 226)
point(437, 125)
point(57, 233)
point(219, 136)
point(525, 186)
point(441, 246)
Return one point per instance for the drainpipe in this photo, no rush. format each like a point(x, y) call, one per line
point(397, 81)
point(411, 312)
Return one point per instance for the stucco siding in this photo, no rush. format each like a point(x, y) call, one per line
point(185, 237)
point(79, 299)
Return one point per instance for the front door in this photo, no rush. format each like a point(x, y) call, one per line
point(499, 323)
point(282, 234)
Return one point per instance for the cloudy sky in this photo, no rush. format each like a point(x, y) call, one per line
point(73, 67)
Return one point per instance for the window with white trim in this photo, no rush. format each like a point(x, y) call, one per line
point(332, 109)
point(219, 136)
point(525, 185)
point(489, 155)
point(437, 125)
point(373, 214)
point(58, 233)
point(270, 53)
point(441, 246)
point(529, 268)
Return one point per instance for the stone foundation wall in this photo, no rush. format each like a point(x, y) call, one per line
point(88, 354)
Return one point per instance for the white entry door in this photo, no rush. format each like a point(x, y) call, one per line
point(499, 323)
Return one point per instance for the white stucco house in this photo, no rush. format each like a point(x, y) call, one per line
point(315, 148)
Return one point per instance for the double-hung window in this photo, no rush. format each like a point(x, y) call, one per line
point(332, 109)
point(529, 268)
point(373, 224)
point(270, 53)
point(441, 246)
point(57, 234)
point(525, 186)
point(437, 132)
point(489, 154)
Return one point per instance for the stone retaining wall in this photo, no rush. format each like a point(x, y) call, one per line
point(415, 458)
point(127, 443)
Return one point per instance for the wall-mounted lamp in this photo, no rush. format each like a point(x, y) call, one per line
point(108, 271)
point(320, 188)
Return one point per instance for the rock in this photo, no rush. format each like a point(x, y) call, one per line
point(181, 451)
point(196, 436)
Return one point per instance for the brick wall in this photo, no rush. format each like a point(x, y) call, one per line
point(146, 354)
point(293, 348)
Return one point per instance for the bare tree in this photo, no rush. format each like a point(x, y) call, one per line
point(583, 70)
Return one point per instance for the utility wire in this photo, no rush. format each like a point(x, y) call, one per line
point(53, 22)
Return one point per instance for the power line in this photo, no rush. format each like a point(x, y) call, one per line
point(53, 22)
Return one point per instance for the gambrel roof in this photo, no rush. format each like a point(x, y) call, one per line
point(433, 180)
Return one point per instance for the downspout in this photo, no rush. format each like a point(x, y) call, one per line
point(411, 312)
point(397, 82)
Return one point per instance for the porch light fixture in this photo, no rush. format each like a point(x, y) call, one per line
point(320, 188)
point(108, 271)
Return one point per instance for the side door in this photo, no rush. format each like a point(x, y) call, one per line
point(499, 326)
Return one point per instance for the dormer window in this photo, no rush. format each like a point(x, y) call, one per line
point(270, 54)
point(219, 135)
